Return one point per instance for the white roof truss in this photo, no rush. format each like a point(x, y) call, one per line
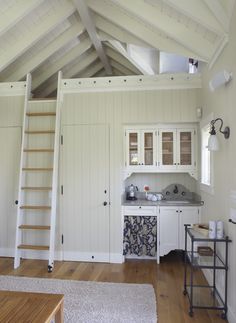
point(85, 15)
point(46, 52)
point(16, 13)
point(59, 64)
point(30, 37)
point(141, 29)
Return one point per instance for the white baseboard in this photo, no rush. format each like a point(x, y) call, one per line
point(42, 255)
point(231, 316)
point(140, 257)
point(116, 258)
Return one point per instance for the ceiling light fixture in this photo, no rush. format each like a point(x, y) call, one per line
point(213, 143)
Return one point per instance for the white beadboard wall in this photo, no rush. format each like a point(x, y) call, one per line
point(219, 205)
point(11, 113)
point(125, 108)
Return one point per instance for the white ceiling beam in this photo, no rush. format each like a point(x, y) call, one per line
point(41, 56)
point(219, 12)
point(141, 30)
point(101, 73)
point(61, 62)
point(80, 65)
point(198, 11)
point(120, 59)
point(48, 90)
point(179, 32)
point(117, 72)
point(109, 31)
point(121, 68)
point(15, 13)
point(91, 29)
point(48, 22)
point(91, 70)
point(140, 64)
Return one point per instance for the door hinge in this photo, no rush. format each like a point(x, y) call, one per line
point(62, 189)
point(156, 133)
point(125, 133)
point(61, 140)
point(195, 163)
point(62, 239)
point(198, 211)
point(194, 132)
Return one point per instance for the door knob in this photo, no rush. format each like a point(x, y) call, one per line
point(105, 203)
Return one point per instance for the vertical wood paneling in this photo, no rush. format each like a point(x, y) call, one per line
point(11, 111)
point(10, 158)
point(118, 109)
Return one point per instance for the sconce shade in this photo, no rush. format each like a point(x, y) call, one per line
point(213, 143)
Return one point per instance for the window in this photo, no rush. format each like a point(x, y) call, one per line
point(206, 158)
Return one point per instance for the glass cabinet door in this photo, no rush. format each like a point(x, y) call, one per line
point(148, 147)
point(185, 147)
point(133, 148)
point(167, 148)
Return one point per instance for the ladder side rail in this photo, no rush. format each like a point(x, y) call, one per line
point(21, 173)
point(55, 175)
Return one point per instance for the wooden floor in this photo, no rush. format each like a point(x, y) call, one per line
point(166, 278)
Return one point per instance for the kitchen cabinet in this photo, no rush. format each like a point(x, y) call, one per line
point(177, 149)
point(172, 220)
point(161, 148)
point(140, 148)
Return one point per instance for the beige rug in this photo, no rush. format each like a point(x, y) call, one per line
point(93, 302)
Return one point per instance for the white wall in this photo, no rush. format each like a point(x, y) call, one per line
point(222, 104)
point(121, 108)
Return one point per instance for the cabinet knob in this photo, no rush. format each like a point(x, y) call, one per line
point(140, 207)
point(177, 211)
point(105, 203)
point(180, 211)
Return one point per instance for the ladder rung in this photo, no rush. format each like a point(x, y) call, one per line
point(37, 169)
point(40, 114)
point(35, 207)
point(32, 188)
point(34, 227)
point(24, 246)
point(39, 150)
point(35, 132)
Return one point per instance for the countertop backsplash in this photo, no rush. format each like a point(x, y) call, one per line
point(158, 182)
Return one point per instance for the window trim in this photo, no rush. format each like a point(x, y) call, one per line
point(205, 187)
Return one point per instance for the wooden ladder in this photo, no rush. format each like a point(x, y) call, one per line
point(37, 195)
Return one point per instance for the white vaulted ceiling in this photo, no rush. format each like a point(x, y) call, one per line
point(86, 38)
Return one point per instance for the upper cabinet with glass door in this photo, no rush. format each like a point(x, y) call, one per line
point(140, 149)
point(176, 149)
point(167, 148)
point(185, 147)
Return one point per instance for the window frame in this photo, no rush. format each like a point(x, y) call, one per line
point(208, 188)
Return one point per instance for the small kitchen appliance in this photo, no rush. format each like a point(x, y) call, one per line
point(131, 192)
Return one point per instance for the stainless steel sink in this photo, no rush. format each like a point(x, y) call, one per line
point(177, 202)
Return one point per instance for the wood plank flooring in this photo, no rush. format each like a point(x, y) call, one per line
point(167, 279)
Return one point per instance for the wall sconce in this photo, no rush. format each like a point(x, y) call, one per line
point(213, 143)
point(222, 78)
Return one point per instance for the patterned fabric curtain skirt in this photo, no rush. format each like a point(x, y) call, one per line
point(140, 236)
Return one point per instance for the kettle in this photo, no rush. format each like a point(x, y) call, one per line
point(131, 192)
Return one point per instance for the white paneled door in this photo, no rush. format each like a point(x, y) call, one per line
point(10, 144)
point(85, 199)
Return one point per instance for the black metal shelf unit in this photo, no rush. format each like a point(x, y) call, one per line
point(204, 296)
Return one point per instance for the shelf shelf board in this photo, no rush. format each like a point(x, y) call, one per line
point(205, 297)
point(205, 261)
